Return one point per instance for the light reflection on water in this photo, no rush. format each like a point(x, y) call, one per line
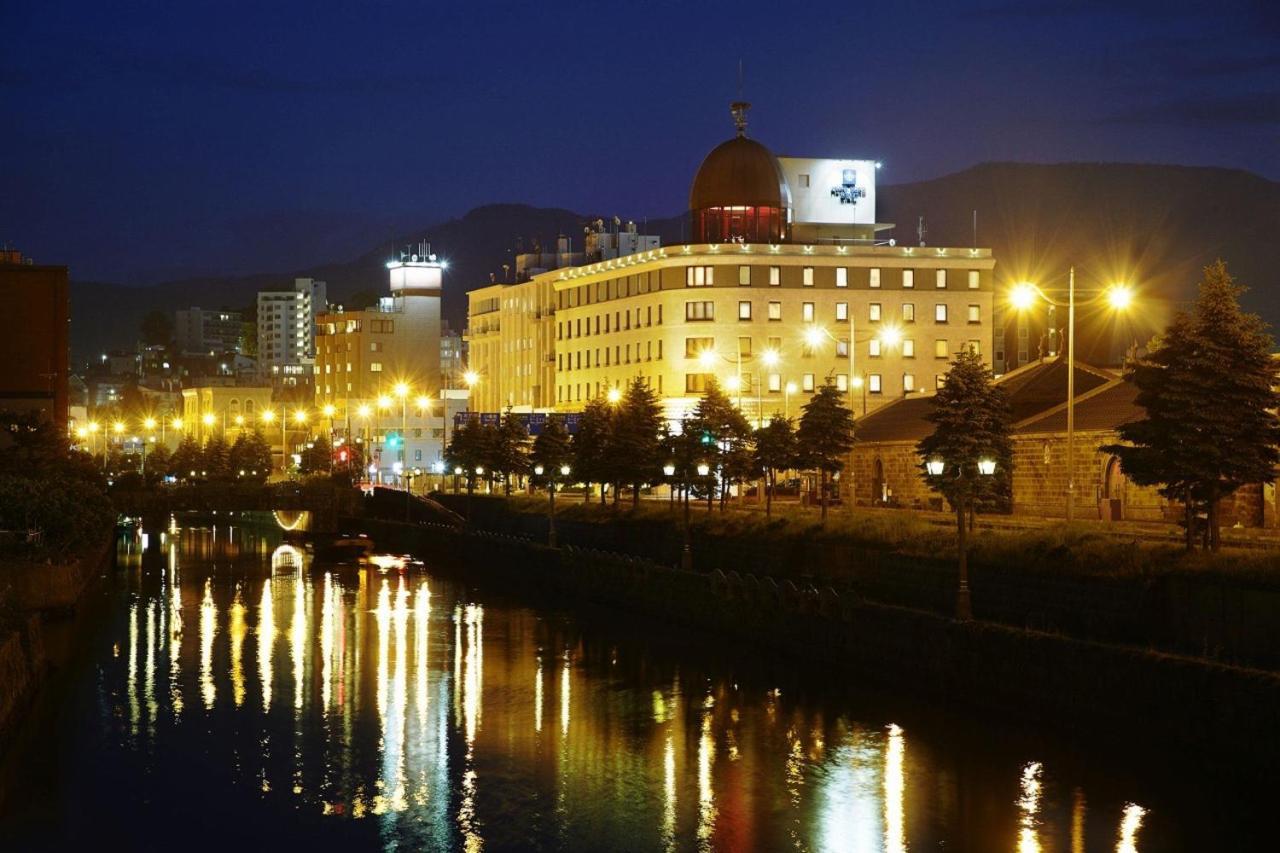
point(419, 711)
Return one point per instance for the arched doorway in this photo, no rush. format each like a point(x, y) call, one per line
point(877, 483)
point(1114, 486)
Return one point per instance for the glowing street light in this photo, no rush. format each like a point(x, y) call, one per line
point(935, 467)
point(733, 383)
point(300, 416)
point(891, 336)
point(268, 416)
point(614, 395)
point(329, 410)
point(669, 470)
point(1119, 297)
point(176, 423)
point(401, 390)
point(424, 402)
point(208, 418)
point(770, 357)
point(470, 377)
point(363, 410)
point(384, 402)
point(118, 427)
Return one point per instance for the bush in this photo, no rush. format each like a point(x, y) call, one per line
point(68, 514)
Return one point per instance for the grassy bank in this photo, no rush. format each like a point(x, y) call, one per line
point(1069, 551)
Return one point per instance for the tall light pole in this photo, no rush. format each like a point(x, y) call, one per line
point(1119, 297)
point(268, 416)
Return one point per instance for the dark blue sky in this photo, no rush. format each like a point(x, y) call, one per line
point(145, 140)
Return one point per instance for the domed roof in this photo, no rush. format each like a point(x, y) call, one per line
point(739, 172)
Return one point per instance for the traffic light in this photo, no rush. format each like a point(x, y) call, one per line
point(706, 437)
point(342, 455)
point(393, 440)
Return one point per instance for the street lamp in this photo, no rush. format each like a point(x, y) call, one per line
point(986, 467)
point(1118, 297)
point(551, 497)
point(613, 395)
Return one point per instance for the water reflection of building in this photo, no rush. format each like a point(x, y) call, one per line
point(396, 699)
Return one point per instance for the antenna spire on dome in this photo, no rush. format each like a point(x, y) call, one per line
point(738, 109)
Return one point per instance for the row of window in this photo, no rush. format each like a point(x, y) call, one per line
point(705, 310)
point(704, 276)
point(696, 383)
point(695, 347)
point(572, 393)
point(620, 354)
point(619, 321)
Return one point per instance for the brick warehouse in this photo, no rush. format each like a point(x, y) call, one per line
point(886, 467)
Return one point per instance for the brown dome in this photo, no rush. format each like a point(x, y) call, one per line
point(739, 173)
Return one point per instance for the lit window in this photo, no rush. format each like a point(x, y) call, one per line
point(908, 312)
point(941, 278)
point(744, 276)
point(806, 382)
point(699, 276)
point(842, 382)
point(975, 314)
point(940, 348)
point(940, 312)
point(842, 276)
point(375, 367)
point(939, 380)
point(775, 382)
point(875, 276)
point(744, 310)
point(694, 347)
point(842, 312)
point(908, 278)
point(874, 346)
point(974, 279)
point(842, 348)
point(775, 276)
point(696, 383)
point(775, 310)
point(807, 281)
point(908, 383)
point(975, 347)
point(694, 311)
point(744, 347)
point(804, 181)
point(908, 348)
point(873, 383)
point(873, 312)
point(806, 312)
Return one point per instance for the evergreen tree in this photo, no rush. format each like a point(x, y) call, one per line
point(591, 455)
point(158, 463)
point(318, 458)
point(215, 460)
point(775, 451)
point(725, 433)
point(825, 437)
point(188, 461)
point(467, 451)
point(510, 454)
point(636, 440)
point(1208, 388)
point(971, 424)
point(551, 450)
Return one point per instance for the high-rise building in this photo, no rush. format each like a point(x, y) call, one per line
point(364, 357)
point(786, 285)
point(35, 304)
point(286, 332)
point(202, 331)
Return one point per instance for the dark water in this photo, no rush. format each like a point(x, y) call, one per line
point(233, 695)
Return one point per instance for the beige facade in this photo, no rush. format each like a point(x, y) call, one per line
point(230, 409)
point(511, 345)
point(743, 313)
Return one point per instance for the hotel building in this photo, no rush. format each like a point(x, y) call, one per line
point(783, 287)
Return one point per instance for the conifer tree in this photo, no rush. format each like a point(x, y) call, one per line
point(510, 450)
point(1208, 389)
point(825, 437)
point(775, 451)
point(551, 449)
point(215, 459)
point(591, 457)
point(187, 460)
point(636, 440)
point(467, 451)
point(971, 422)
point(725, 434)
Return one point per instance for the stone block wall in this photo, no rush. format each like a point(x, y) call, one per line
point(898, 471)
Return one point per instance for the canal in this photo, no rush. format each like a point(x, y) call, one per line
point(229, 693)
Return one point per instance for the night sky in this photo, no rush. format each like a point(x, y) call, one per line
point(142, 141)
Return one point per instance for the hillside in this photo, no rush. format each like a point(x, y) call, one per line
point(1152, 225)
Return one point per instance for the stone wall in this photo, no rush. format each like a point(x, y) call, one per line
point(1040, 483)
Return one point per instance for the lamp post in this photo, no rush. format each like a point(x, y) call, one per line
point(985, 467)
point(299, 418)
point(551, 498)
point(1119, 297)
point(788, 390)
point(268, 416)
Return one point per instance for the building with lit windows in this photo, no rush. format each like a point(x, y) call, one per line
point(286, 332)
point(378, 370)
point(784, 286)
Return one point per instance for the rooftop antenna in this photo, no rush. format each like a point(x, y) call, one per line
point(738, 109)
point(921, 230)
point(975, 228)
